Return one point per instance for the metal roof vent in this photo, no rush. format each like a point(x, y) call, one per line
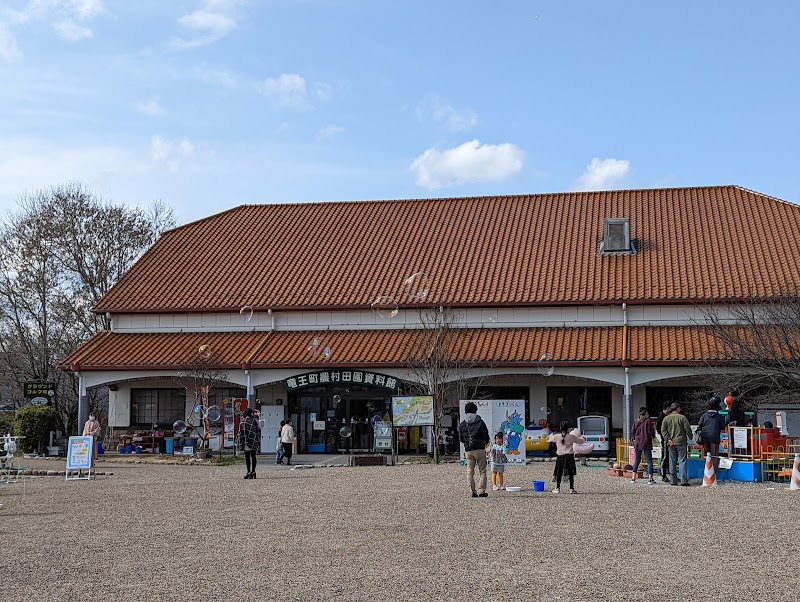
point(617, 236)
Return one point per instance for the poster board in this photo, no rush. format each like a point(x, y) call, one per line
point(414, 410)
point(79, 457)
point(505, 415)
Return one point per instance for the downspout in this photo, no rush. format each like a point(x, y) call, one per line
point(627, 414)
point(83, 406)
point(272, 319)
point(251, 395)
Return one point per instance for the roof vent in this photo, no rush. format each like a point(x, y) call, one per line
point(616, 236)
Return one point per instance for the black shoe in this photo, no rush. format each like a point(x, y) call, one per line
point(289, 463)
point(474, 494)
point(248, 475)
point(665, 479)
point(685, 485)
point(484, 494)
point(674, 484)
point(253, 475)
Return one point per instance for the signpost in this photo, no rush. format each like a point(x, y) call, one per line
point(79, 457)
point(39, 392)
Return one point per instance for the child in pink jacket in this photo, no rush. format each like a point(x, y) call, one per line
point(565, 455)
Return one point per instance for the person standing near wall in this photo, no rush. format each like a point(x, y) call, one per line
point(92, 429)
point(710, 426)
point(664, 449)
point(287, 440)
point(677, 431)
point(250, 440)
point(475, 436)
point(643, 434)
point(279, 445)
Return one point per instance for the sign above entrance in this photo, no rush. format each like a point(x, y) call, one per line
point(327, 377)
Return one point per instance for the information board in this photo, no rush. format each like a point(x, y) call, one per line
point(506, 416)
point(79, 457)
point(412, 410)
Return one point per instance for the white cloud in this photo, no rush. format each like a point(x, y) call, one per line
point(67, 17)
point(290, 90)
point(72, 32)
point(9, 51)
point(602, 174)
point(86, 9)
point(214, 20)
point(170, 153)
point(441, 111)
point(151, 108)
point(287, 90)
point(330, 131)
point(470, 162)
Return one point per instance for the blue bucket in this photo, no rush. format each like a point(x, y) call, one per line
point(538, 486)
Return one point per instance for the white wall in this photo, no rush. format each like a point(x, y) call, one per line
point(590, 315)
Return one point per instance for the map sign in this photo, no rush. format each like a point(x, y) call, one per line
point(412, 411)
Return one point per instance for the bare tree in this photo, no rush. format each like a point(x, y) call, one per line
point(754, 348)
point(59, 254)
point(437, 364)
point(198, 380)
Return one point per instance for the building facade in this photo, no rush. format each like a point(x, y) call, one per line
point(578, 303)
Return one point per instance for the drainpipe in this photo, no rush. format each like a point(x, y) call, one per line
point(251, 396)
point(83, 405)
point(272, 319)
point(627, 426)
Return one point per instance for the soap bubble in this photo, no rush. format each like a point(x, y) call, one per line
point(416, 286)
point(204, 351)
point(213, 414)
point(337, 399)
point(385, 307)
point(546, 365)
point(179, 426)
point(545, 410)
point(319, 348)
point(197, 411)
point(493, 317)
point(371, 406)
point(247, 312)
point(375, 419)
point(345, 432)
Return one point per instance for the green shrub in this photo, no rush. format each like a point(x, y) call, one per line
point(35, 423)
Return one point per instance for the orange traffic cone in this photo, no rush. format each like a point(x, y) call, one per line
point(709, 478)
point(794, 485)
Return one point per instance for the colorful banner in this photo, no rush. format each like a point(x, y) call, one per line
point(79, 453)
point(506, 416)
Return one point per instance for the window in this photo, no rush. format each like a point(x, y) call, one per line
point(217, 396)
point(157, 406)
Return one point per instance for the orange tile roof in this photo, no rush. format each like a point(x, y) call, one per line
point(484, 347)
point(703, 243)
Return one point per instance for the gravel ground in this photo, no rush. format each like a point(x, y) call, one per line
point(411, 532)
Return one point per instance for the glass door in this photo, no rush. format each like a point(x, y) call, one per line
point(310, 439)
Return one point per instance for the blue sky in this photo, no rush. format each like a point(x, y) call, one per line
point(208, 104)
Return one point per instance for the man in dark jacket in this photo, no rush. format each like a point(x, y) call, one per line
point(710, 426)
point(475, 437)
point(664, 453)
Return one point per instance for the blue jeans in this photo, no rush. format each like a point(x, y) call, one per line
point(637, 455)
point(677, 455)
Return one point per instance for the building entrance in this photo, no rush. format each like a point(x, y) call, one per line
point(319, 414)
